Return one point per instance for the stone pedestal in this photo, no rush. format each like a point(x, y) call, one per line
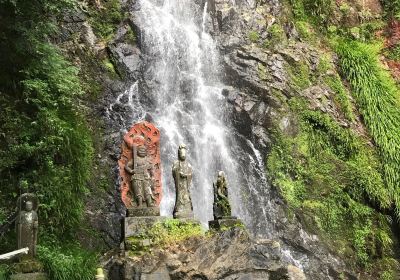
point(227, 222)
point(28, 266)
point(135, 228)
point(143, 212)
point(29, 276)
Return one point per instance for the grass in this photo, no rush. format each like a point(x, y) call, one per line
point(378, 99)
point(67, 262)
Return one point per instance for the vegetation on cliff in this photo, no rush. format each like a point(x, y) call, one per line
point(46, 147)
point(342, 185)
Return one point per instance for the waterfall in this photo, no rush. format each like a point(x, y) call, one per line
point(183, 91)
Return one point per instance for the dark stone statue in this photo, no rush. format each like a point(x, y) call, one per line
point(182, 173)
point(27, 225)
point(221, 207)
point(141, 169)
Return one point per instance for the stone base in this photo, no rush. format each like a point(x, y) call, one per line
point(227, 222)
point(28, 266)
point(191, 220)
point(29, 276)
point(143, 212)
point(135, 226)
point(184, 215)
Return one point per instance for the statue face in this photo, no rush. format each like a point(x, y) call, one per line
point(182, 154)
point(142, 152)
point(28, 206)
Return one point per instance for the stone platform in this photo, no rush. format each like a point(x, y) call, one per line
point(29, 276)
point(135, 226)
point(227, 222)
point(143, 212)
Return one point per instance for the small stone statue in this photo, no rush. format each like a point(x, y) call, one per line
point(182, 173)
point(221, 207)
point(27, 225)
point(142, 184)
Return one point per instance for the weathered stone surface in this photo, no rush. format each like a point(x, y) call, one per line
point(29, 276)
point(161, 273)
point(135, 226)
point(125, 54)
point(28, 265)
point(229, 255)
point(225, 222)
point(140, 212)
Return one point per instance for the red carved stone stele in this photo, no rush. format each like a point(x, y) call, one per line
point(143, 133)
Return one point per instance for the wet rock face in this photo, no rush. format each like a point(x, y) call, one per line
point(259, 86)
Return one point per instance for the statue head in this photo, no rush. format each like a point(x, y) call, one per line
point(28, 206)
point(182, 152)
point(221, 174)
point(142, 151)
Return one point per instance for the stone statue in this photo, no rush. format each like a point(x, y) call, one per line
point(182, 173)
point(221, 207)
point(27, 224)
point(141, 169)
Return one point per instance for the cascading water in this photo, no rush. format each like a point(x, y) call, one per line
point(182, 94)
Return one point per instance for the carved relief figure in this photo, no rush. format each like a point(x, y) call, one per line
point(182, 173)
point(141, 169)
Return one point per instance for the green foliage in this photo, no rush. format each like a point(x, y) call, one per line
point(172, 231)
point(276, 36)
point(341, 95)
point(4, 272)
point(392, 8)
point(253, 36)
point(300, 74)
point(329, 174)
point(67, 263)
point(377, 97)
point(47, 142)
point(44, 139)
point(305, 29)
point(168, 232)
point(316, 11)
point(130, 36)
point(394, 53)
point(106, 19)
